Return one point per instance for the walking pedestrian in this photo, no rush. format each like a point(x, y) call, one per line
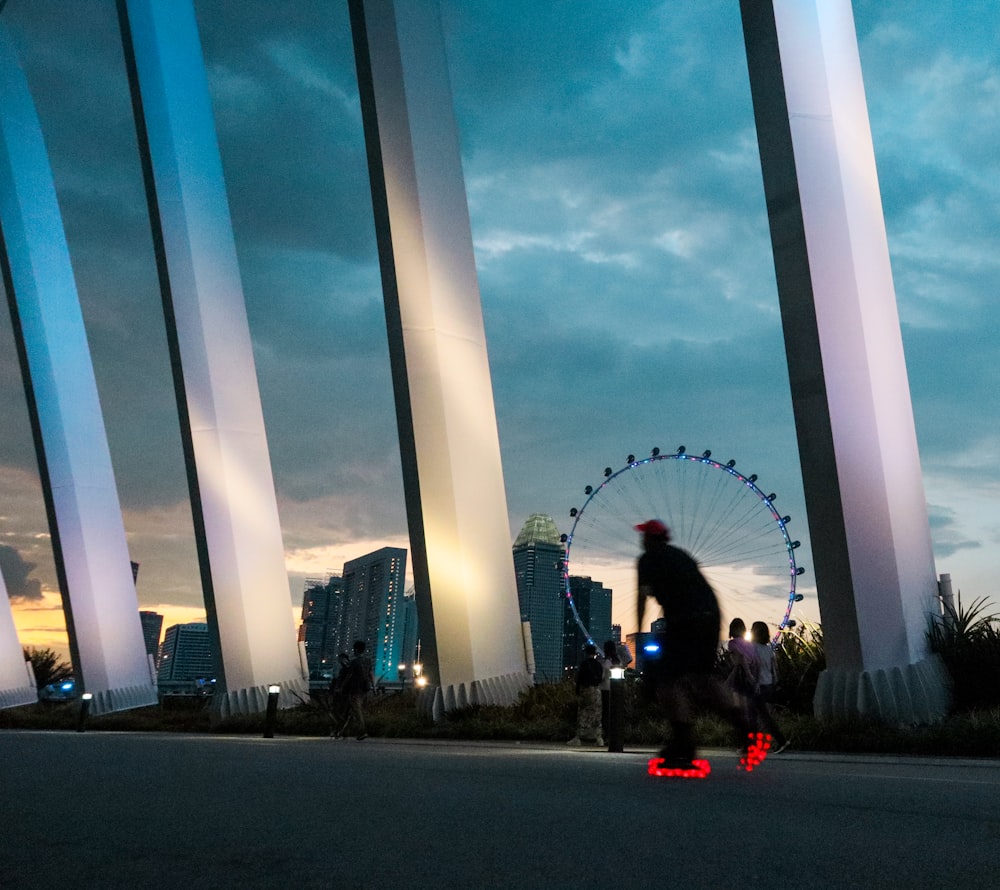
point(359, 681)
point(767, 682)
point(588, 699)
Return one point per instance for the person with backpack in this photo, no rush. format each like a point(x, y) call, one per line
point(338, 701)
point(589, 675)
point(743, 677)
point(767, 678)
point(356, 680)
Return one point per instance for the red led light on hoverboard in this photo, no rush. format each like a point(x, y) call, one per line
point(760, 744)
point(697, 770)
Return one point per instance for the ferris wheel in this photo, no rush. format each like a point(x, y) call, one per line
point(722, 518)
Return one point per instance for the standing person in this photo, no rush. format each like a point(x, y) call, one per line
point(339, 701)
point(744, 671)
point(588, 699)
point(356, 686)
point(688, 647)
point(611, 659)
point(767, 678)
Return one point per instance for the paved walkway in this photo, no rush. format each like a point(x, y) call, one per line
point(102, 810)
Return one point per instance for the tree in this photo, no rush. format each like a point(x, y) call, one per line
point(48, 666)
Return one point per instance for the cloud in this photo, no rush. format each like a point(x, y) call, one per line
point(16, 576)
point(621, 237)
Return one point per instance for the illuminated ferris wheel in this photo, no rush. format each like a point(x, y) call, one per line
point(722, 518)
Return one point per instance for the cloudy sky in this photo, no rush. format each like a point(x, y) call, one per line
point(621, 239)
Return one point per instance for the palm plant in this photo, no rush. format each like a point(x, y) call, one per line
point(968, 641)
point(801, 658)
point(48, 666)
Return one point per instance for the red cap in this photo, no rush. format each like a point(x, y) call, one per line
point(654, 527)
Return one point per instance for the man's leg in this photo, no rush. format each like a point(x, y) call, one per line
point(358, 710)
point(674, 696)
point(591, 729)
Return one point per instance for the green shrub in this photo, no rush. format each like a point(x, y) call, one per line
point(968, 641)
point(800, 658)
point(545, 713)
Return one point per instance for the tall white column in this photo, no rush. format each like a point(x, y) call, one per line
point(463, 567)
point(861, 469)
point(235, 510)
point(16, 682)
point(81, 499)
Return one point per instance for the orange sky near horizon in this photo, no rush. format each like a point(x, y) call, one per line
point(40, 623)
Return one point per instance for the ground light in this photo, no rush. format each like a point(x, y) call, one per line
point(85, 701)
point(271, 716)
point(616, 711)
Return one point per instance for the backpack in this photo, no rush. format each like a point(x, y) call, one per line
point(356, 680)
point(339, 683)
point(591, 672)
point(741, 678)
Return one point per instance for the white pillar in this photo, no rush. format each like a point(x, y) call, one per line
point(946, 595)
point(81, 500)
point(861, 470)
point(235, 511)
point(456, 504)
point(16, 681)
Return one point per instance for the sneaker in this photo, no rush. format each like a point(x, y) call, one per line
point(574, 742)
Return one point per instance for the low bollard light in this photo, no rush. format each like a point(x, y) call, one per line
point(616, 711)
point(271, 716)
point(85, 701)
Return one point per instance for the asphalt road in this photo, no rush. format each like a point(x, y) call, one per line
point(103, 810)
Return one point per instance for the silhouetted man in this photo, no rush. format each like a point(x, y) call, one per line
point(685, 668)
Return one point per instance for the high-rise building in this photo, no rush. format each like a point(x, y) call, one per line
point(318, 630)
point(538, 565)
point(186, 663)
point(593, 603)
point(152, 625)
point(371, 608)
point(408, 650)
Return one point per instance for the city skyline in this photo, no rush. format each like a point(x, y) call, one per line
point(623, 256)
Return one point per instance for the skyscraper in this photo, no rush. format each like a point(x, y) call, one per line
point(593, 603)
point(410, 632)
point(186, 663)
point(370, 608)
point(152, 625)
point(538, 560)
point(318, 630)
